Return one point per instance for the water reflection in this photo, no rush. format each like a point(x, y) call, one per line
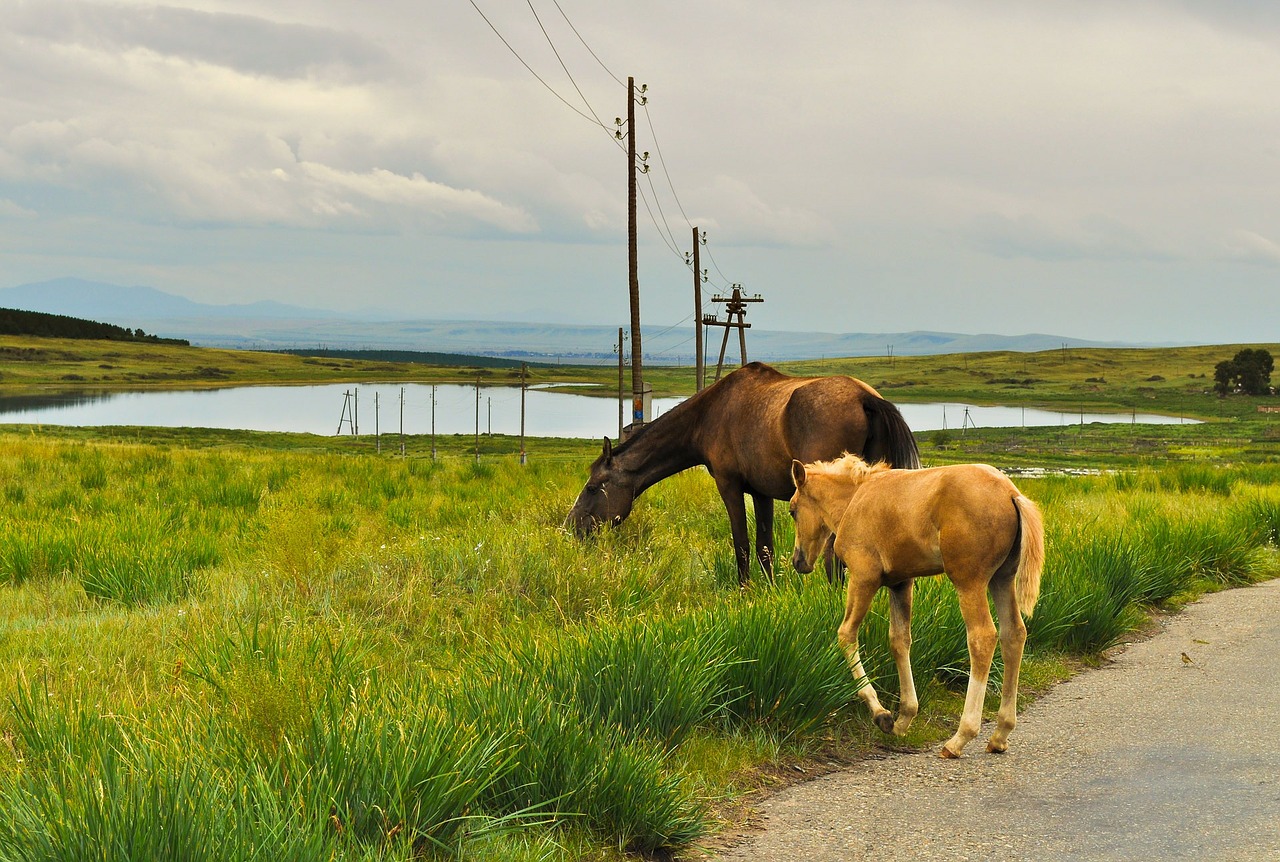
point(330, 408)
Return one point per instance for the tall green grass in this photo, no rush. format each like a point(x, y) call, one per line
point(240, 652)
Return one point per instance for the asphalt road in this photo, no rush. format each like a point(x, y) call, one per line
point(1151, 757)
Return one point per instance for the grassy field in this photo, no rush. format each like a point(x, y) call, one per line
point(245, 645)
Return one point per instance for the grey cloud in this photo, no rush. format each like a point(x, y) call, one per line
point(245, 43)
point(1094, 237)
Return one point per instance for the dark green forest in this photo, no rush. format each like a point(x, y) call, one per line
point(38, 323)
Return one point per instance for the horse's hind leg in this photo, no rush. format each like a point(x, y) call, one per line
point(861, 590)
point(900, 644)
point(982, 647)
point(1013, 635)
point(834, 566)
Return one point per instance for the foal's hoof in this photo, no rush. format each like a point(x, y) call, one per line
point(948, 754)
point(884, 721)
point(994, 747)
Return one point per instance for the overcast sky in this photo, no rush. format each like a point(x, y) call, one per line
point(1099, 170)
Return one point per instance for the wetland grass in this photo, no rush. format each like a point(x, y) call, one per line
point(339, 655)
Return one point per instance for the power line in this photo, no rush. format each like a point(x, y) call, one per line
point(516, 54)
point(621, 83)
point(665, 224)
point(567, 73)
point(664, 228)
point(662, 236)
point(663, 162)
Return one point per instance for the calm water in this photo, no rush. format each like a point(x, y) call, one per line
point(329, 408)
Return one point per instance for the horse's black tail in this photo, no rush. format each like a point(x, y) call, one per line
point(888, 437)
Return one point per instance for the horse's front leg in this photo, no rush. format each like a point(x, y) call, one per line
point(900, 645)
point(736, 505)
point(764, 532)
point(862, 588)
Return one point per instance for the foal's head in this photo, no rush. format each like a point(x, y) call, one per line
point(823, 489)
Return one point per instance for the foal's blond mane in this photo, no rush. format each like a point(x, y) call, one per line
point(848, 466)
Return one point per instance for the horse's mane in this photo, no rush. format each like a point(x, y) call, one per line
point(847, 465)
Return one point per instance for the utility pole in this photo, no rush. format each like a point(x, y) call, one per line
point(621, 364)
point(633, 269)
point(699, 276)
point(735, 307)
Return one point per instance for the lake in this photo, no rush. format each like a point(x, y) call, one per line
point(326, 409)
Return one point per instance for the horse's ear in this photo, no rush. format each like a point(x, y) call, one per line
point(797, 474)
point(608, 450)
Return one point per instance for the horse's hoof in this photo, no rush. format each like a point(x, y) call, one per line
point(948, 754)
point(884, 721)
point(997, 747)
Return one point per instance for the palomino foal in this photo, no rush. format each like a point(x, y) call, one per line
point(892, 527)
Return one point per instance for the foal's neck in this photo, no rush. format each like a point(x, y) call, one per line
point(834, 497)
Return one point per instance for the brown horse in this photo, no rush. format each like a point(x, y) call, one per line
point(746, 429)
point(892, 527)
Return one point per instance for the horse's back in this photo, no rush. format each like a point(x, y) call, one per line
point(758, 420)
point(824, 417)
point(958, 509)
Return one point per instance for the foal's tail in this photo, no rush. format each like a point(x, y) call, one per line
point(1031, 557)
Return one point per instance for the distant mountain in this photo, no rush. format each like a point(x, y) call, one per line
point(126, 305)
point(272, 325)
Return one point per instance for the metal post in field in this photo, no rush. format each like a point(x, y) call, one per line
point(433, 422)
point(377, 430)
point(402, 420)
point(524, 370)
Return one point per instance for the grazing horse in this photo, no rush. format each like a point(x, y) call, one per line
point(892, 527)
point(746, 429)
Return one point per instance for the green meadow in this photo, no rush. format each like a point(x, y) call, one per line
point(227, 645)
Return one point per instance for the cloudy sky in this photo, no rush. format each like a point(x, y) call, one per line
point(1091, 169)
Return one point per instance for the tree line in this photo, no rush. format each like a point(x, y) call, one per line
point(38, 323)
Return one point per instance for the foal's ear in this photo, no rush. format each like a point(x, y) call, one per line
point(608, 450)
point(797, 474)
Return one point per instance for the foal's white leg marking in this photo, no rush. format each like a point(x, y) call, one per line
point(900, 644)
point(861, 591)
point(1013, 636)
point(982, 646)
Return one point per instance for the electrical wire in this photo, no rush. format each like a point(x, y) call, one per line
point(560, 59)
point(516, 54)
point(664, 230)
point(663, 162)
point(585, 45)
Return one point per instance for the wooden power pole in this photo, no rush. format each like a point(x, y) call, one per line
point(699, 362)
point(634, 166)
point(735, 318)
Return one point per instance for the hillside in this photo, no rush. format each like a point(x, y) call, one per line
point(41, 325)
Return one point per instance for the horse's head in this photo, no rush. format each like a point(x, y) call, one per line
point(812, 532)
point(606, 498)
